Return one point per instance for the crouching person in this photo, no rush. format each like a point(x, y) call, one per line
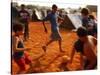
point(86, 46)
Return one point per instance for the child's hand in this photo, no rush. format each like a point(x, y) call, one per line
point(28, 48)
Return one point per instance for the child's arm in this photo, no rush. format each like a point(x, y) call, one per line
point(60, 19)
point(22, 49)
point(45, 29)
point(95, 41)
point(72, 55)
point(43, 21)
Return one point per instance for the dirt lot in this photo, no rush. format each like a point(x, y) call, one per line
point(51, 61)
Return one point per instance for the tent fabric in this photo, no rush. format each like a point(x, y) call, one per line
point(71, 21)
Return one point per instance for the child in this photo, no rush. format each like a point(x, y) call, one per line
point(19, 55)
point(85, 17)
point(55, 35)
point(86, 46)
point(94, 24)
point(88, 21)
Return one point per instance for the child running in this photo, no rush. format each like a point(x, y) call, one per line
point(19, 54)
point(55, 35)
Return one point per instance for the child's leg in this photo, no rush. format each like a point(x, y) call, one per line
point(82, 59)
point(28, 59)
point(26, 31)
point(21, 63)
point(49, 42)
point(60, 45)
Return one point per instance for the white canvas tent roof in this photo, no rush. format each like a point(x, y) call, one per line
point(72, 21)
point(39, 14)
point(75, 19)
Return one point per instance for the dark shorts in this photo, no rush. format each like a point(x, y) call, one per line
point(25, 59)
point(55, 36)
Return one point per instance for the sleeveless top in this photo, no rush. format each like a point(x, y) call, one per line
point(18, 55)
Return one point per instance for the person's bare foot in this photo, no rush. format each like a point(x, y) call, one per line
point(44, 48)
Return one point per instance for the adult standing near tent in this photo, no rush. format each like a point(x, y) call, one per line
point(55, 35)
point(24, 18)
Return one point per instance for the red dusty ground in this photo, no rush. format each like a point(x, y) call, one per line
point(51, 61)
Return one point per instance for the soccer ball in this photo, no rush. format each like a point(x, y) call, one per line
point(65, 59)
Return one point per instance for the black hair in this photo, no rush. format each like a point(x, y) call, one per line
point(22, 5)
point(17, 27)
point(91, 17)
point(81, 31)
point(54, 6)
point(85, 11)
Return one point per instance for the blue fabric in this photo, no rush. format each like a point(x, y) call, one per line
point(52, 17)
point(85, 22)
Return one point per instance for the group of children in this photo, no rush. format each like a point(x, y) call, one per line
point(85, 44)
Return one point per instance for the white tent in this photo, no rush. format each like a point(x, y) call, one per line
point(39, 14)
point(75, 19)
point(71, 21)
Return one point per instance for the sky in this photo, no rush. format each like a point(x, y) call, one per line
point(60, 3)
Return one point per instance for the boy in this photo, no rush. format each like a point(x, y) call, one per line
point(19, 55)
point(24, 18)
point(86, 21)
point(85, 17)
point(86, 46)
point(55, 35)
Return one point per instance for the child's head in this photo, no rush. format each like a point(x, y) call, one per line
point(18, 29)
point(82, 33)
point(54, 8)
point(85, 11)
point(22, 6)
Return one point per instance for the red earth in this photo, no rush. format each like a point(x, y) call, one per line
point(51, 61)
